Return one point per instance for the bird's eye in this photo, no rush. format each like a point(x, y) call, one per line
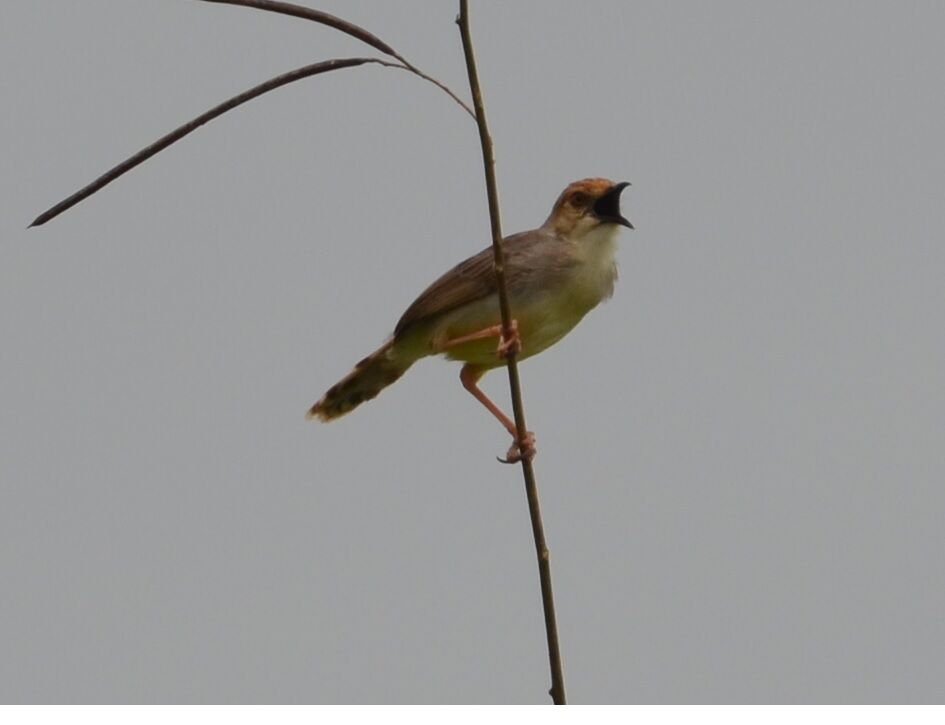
point(579, 199)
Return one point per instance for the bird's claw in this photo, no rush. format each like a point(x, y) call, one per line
point(511, 345)
point(520, 449)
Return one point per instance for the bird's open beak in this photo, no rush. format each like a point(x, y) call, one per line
point(607, 208)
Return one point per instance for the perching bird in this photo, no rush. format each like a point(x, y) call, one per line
point(555, 275)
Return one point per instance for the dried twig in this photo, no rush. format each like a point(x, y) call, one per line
point(273, 83)
point(531, 487)
point(344, 26)
point(192, 125)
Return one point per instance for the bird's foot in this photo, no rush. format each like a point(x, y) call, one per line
point(511, 345)
point(521, 449)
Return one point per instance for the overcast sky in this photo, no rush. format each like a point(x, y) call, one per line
point(741, 456)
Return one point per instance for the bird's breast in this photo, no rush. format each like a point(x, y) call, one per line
point(551, 289)
point(595, 271)
point(545, 314)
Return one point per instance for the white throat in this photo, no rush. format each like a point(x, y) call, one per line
point(597, 250)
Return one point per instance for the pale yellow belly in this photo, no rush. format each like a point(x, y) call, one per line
point(542, 321)
point(543, 317)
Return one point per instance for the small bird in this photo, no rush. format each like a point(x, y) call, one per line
point(555, 275)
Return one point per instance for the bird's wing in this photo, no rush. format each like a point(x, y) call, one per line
point(470, 280)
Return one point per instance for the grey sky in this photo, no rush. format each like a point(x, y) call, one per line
point(740, 456)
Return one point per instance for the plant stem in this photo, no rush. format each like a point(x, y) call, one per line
point(531, 487)
point(177, 134)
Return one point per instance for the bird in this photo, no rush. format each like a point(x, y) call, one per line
point(555, 275)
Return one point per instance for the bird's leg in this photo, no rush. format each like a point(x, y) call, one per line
point(469, 376)
point(520, 448)
point(507, 346)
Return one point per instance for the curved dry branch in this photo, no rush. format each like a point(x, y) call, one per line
point(179, 133)
point(355, 31)
point(274, 6)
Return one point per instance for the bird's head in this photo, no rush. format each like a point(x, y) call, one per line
point(586, 205)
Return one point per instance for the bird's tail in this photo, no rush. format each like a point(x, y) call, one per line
point(369, 377)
